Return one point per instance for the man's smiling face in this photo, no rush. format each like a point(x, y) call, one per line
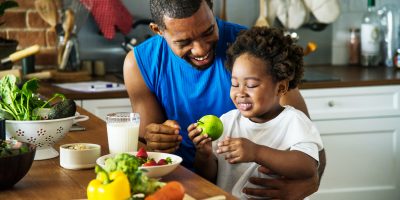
point(194, 38)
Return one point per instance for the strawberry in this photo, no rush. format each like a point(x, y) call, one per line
point(150, 162)
point(142, 153)
point(162, 162)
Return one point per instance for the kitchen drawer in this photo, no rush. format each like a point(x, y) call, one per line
point(353, 102)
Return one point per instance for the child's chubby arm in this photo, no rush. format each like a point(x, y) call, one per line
point(205, 161)
point(290, 164)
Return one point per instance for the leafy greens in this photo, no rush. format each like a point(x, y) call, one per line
point(18, 104)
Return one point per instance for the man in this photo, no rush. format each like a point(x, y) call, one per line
point(178, 76)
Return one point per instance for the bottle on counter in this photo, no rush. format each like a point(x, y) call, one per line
point(389, 18)
point(354, 46)
point(370, 37)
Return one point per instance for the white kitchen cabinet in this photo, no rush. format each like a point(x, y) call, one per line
point(101, 107)
point(360, 128)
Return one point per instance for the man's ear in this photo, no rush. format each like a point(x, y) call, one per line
point(155, 28)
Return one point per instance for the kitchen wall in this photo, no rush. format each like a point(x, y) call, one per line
point(332, 42)
point(24, 24)
point(351, 16)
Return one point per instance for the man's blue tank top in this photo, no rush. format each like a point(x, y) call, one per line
point(185, 93)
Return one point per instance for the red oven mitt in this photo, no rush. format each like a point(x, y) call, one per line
point(109, 15)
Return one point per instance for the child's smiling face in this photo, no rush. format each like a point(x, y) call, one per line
point(253, 91)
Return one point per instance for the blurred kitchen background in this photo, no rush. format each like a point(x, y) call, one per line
point(26, 27)
point(332, 42)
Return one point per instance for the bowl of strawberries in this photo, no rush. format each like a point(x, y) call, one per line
point(153, 164)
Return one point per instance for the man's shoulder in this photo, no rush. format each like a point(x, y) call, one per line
point(151, 42)
point(150, 50)
point(230, 26)
point(228, 32)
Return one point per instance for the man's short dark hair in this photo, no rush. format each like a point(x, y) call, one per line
point(176, 9)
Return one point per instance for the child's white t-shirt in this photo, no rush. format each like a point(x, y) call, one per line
point(290, 130)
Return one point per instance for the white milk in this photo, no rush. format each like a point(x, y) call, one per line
point(122, 137)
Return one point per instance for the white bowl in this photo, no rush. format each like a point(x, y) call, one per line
point(83, 157)
point(151, 171)
point(42, 133)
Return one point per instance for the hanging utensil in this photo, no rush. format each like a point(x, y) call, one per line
point(291, 13)
point(222, 13)
point(262, 18)
point(81, 12)
point(47, 10)
point(6, 63)
point(68, 25)
point(314, 25)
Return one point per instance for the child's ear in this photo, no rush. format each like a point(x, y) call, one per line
point(283, 87)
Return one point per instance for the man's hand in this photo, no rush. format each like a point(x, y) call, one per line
point(163, 137)
point(283, 188)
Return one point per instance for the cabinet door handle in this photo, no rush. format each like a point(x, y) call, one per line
point(331, 103)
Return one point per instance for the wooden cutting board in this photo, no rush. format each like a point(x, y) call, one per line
point(15, 72)
point(61, 77)
point(218, 197)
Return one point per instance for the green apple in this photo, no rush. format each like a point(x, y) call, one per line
point(211, 125)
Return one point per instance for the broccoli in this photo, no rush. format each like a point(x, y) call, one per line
point(129, 164)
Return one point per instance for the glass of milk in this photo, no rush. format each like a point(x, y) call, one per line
point(123, 131)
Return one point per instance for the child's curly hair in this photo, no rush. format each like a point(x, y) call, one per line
point(283, 58)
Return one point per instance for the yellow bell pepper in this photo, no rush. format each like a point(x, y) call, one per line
point(113, 186)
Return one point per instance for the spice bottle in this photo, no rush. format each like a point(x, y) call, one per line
point(354, 46)
point(396, 59)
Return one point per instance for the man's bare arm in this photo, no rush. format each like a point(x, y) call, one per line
point(142, 99)
point(294, 98)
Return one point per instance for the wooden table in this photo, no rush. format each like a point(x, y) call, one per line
point(48, 180)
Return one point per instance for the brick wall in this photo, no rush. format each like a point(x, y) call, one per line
point(26, 26)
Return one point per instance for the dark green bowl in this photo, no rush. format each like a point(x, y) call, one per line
point(14, 168)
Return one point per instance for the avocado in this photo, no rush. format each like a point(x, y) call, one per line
point(62, 109)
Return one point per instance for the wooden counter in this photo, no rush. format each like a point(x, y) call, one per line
point(48, 180)
point(353, 76)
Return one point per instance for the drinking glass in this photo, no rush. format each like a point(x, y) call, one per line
point(122, 131)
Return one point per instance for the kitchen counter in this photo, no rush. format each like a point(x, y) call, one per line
point(48, 180)
point(324, 76)
point(47, 89)
point(350, 76)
